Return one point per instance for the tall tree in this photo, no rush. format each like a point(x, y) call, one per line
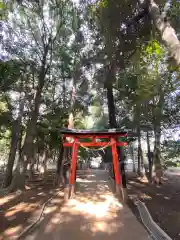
point(47, 26)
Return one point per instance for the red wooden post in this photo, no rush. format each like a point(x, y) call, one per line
point(116, 165)
point(73, 166)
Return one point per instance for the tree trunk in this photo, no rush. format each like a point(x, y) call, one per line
point(66, 165)
point(157, 118)
point(12, 154)
point(20, 141)
point(140, 154)
point(131, 146)
point(157, 155)
point(113, 124)
point(44, 162)
point(149, 156)
point(111, 106)
point(27, 150)
point(168, 34)
point(59, 166)
point(33, 161)
point(37, 162)
point(54, 155)
point(15, 140)
point(31, 170)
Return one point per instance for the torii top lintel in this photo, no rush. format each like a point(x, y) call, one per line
point(111, 134)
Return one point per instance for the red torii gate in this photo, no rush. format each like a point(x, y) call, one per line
point(74, 138)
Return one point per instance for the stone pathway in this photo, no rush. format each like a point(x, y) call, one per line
point(95, 214)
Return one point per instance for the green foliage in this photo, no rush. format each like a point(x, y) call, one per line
point(9, 74)
point(172, 163)
point(154, 47)
point(173, 13)
point(3, 10)
point(83, 154)
point(103, 4)
point(171, 151)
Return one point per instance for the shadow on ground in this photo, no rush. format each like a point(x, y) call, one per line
point(162, 201)
point(93, 214)
point(17, 211)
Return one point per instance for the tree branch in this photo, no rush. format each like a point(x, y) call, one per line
point(44, 25)
point(168, 34)
point(36, 41)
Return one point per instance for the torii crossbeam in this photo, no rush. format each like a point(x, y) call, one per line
point(111, 137)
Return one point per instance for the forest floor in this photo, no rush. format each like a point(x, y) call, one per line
point(19, 210)
point(163, 202)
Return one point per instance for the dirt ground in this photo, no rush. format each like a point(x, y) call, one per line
point(19, 210)
point(163, 202)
